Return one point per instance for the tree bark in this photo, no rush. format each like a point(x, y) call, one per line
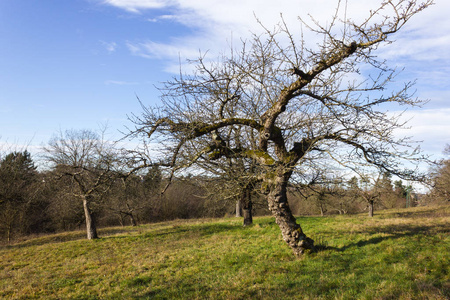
point(370, 208)
point(322, 210)
point(238, 209)
point(247, 206)
point(248, 219)
point(91, 229)
point(130, 213)
point(291, 231)
point(248, 215)
point(133, 220)
point(9, 232)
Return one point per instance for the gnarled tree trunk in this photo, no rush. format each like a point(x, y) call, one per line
point(91, 229)
point(291, 231)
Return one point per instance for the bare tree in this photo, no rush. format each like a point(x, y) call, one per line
point(235, 178)
point(370, 191)
point(323, 192)
point(89, 163)
point(440, 180)
point(134, 194)
point(300, 102)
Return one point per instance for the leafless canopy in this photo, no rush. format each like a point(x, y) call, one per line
point(291, 103)
point(292, 99)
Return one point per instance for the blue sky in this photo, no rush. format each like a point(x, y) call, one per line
point(76, 64)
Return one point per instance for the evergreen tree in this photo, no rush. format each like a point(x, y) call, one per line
point(17, 176)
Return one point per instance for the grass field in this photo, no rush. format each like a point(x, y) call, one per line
point(398, 254)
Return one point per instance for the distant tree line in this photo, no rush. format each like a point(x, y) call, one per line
point(351, 196)
point(87, 183)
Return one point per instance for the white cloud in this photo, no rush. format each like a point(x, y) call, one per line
point(427, 37)
point(109, 46)
point(422, 47)
point(431, 126)
point(137, 6)
point(155, 50)
point(7, 147)
point(417, 48)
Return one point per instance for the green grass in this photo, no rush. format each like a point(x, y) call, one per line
point(401, 254)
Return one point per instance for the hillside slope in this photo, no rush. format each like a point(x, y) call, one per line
point(399, 254)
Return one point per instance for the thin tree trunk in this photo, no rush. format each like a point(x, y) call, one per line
point(247, 205)
point(133, 220)
point(238, 208)
point(291, 231)
point(9, 232)
point(248, 218)
point(370, 208)
point(130, 213)
point(90, 222)
point(121, 221)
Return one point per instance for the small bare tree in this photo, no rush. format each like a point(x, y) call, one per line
point(440, 180)
point(370, 192)
point(300, 103)
point(89, 163)
point(235, 177)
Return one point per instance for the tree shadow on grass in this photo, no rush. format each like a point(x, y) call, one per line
point(392, 232)
point(151, 230)
point(203, 230)
point(422, 212)
point(66, 236)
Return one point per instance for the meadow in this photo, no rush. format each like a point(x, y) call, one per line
point(398, 254)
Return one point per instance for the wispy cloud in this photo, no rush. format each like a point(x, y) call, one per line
point(428, 125)
point(422, 47)
point(212, 25)
point(109, 46)
point(177, 48)
point(136, 6)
